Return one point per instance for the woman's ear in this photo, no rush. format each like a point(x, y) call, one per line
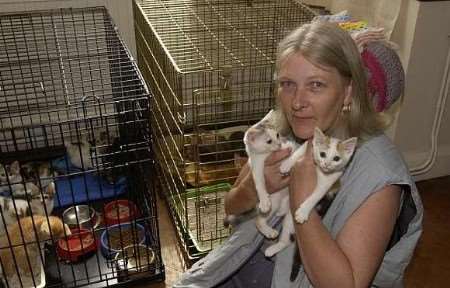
point(348, 93)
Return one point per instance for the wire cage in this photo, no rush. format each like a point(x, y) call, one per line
point(77, 204)
point(210, 66)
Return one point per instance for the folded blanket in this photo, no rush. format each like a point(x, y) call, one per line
point(74, 190)
point(83, 187)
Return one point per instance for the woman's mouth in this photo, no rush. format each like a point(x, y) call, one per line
point(302, 117)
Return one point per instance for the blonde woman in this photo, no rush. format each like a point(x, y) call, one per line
point(368, 235)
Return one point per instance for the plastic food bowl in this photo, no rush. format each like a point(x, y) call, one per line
point(120, 211)
point(115, 238)
point(80, 243)
point(80, 216)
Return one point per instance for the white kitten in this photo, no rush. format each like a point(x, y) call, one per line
point(331, 155)
point(79, 153)
point(260, 141)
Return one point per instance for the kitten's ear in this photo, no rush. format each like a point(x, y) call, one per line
point(51, 190)
point(268, 116)
point(349, 145)
point(15, 168)
point(251, 135)
point(280, 122)
point(45, 228)
point(319, 137)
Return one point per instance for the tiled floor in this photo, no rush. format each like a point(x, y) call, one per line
point(430, 267)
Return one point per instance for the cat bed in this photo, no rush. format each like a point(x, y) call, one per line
point(72, 190)
point(82, 187)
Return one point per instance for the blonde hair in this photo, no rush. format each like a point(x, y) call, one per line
point(326, 44)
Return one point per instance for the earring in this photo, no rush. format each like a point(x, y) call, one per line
point(346, 108)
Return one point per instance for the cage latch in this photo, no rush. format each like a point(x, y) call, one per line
point(226, 95)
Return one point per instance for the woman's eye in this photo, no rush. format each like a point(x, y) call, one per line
point(323, 155)
point(288, 86)
point(287, 83)
point(336, 158)
point(317, 85)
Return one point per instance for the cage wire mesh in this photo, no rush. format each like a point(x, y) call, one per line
point(209, 65)
point(77, 205)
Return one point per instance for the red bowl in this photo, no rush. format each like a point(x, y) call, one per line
point(120, 211)
point(81, 242)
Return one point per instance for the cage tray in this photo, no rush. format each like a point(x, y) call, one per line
point(94, 270)
point(205, 215)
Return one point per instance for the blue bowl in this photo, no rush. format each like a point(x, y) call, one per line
point(115, 238)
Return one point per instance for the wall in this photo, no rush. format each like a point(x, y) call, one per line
point(423, 33)
point(120, 10)
point(422, 121)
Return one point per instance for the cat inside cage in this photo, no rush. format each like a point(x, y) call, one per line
point(58, 202)
point(77, 205)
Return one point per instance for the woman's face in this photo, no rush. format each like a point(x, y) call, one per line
point(311, 96)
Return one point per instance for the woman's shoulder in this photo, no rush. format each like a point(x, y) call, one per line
point(380, 155)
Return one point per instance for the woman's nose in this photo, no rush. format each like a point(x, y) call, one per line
point(300, 99)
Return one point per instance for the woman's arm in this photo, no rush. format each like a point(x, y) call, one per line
point(354, 257)
point(242, 197)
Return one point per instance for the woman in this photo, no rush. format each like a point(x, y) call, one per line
point(369, 232)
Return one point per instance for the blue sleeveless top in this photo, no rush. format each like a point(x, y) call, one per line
point(376, 163)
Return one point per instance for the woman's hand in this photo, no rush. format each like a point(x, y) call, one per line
point(274, 180)
point(243, 197)
point(303, 179)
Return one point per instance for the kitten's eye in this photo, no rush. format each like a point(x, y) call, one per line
point(323, 155)
point(278, 135)
point(269, 141)
point(336, 158)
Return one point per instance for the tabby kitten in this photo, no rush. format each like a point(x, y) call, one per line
point(24, 252)
point(10, 177)
point(27, 204)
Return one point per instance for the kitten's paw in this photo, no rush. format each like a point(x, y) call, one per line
point(273, 249)
point(270, 233)
point(285, 167)
point(264, 205)
point(301, 214)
